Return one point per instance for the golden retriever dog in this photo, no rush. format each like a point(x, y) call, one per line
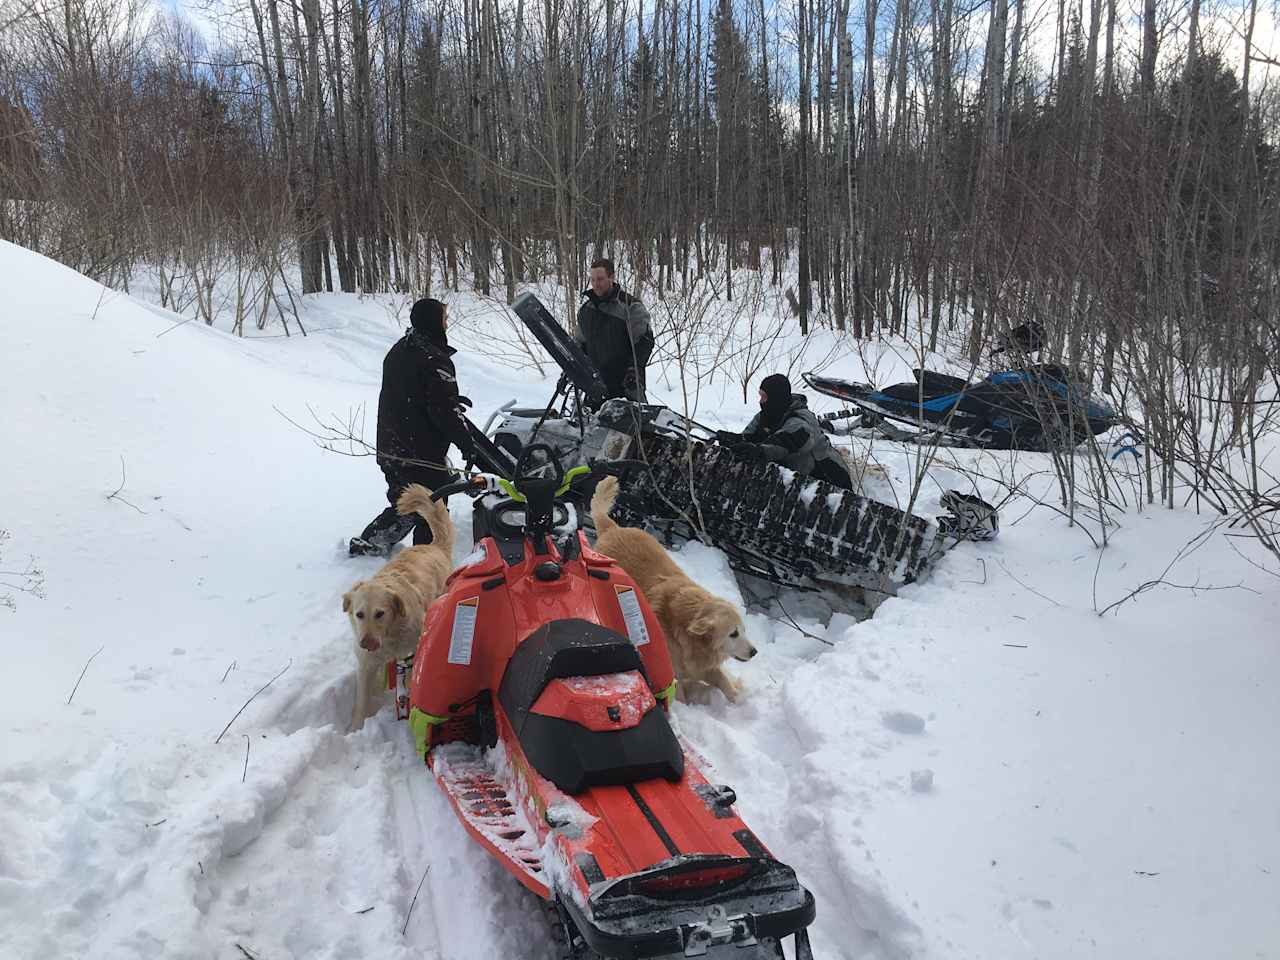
point(386, 611)
point(702, 630)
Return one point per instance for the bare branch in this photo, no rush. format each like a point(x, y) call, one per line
point(82, 673)
point(250, 700)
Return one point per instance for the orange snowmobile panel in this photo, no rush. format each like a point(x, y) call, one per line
point(608, 601)
point(485, 561)
point(613, 702)
point(621, 838)
point(465, 638)
point(644, 823)
point(537, 601)
point(470, 632)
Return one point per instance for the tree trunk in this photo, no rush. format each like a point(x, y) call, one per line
point(803, 199)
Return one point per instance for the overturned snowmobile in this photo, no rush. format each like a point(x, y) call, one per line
point(770, 522)
point(1038, 407)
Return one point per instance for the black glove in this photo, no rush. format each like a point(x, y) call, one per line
point(463, 402)
point(728, 437)
point(748, 451)
point(631, 385)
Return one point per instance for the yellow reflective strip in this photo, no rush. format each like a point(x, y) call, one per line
point(421, 723)
point(668, 694)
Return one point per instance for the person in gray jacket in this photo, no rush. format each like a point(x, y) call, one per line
point(614, 331)
point(785, 431)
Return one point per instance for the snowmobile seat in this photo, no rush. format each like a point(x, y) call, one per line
point(571, 756)
point(1056, 371)
point(928, 386)
point(907, 392)
point(938, 384)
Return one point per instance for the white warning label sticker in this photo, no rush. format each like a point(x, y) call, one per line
point(629, 601)
point(464, 631)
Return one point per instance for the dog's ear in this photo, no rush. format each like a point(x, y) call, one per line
point(346, 602)
point(397, 604)
point(702, 627)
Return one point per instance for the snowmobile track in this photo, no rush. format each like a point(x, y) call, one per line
point(781, 526)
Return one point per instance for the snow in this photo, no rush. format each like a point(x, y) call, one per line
point(985, 768)
point(902, 721)
point(570, 817)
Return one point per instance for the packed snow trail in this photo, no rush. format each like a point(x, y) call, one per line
point(984, 769)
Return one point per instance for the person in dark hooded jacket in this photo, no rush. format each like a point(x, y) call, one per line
point(786, 432)
point(614, 331)
point(419, 415)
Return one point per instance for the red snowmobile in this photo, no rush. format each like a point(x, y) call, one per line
point(539, 698)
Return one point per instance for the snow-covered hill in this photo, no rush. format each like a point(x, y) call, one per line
point(984, 769)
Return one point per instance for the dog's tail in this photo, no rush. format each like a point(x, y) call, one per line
point(417, 499)
point(602, 502)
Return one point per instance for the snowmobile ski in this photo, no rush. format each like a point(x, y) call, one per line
point(563, 348)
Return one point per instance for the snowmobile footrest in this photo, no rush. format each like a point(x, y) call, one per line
point(489, 814)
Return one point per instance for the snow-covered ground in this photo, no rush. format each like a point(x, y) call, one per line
point(986, 768)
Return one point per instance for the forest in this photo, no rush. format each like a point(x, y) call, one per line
point(923, 168)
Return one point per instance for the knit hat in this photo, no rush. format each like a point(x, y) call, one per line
point(777, 398)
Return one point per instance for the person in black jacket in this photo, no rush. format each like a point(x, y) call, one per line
point(614, 331)
point(785, 431)
point(419, 415)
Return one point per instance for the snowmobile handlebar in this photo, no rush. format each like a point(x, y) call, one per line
point(473, 485)
point(479, 484)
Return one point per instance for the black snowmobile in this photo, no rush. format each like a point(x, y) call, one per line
point(1040, 406)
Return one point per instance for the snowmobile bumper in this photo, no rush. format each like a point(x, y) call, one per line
point(695, 906)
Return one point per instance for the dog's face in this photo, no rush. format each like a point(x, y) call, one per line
point(375, 612)
point(719, 627)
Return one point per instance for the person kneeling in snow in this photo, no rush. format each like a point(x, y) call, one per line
point(419, 415)
point(786, 432)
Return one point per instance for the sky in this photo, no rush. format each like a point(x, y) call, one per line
point(1222, 24)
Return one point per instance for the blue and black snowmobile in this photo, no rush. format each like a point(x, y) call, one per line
point(1039, 407)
